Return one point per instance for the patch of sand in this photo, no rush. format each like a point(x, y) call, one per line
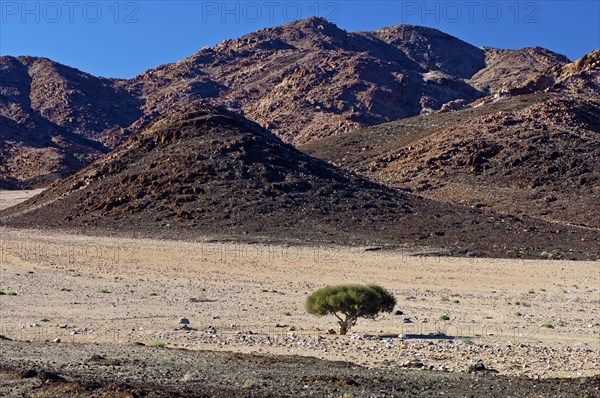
point(114, 290)
point(12, 198)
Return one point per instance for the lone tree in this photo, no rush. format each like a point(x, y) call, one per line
point(350, 302)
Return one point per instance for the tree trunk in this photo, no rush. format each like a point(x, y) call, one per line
point(344, 327)
point(347, 323)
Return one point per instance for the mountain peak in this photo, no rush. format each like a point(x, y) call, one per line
point(429, 47)
point(314, 33)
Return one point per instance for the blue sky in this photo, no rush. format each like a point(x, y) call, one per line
point(124, 38)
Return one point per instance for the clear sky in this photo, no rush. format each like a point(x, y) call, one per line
point(124, 38)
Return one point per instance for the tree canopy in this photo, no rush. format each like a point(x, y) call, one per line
point(350, 302)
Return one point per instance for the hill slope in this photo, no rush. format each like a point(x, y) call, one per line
point(200, 171)
point(54, 120)
point(534, 155)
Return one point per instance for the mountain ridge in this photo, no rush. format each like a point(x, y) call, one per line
point(305, 80)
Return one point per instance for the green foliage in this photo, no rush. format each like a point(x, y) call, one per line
point(158, 344)
point(444, 318)
point(350, 302)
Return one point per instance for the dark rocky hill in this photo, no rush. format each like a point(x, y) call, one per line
point(202, 171)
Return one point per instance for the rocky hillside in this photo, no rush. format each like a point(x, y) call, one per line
point(512, 69)
point(55, 120)
point(304, 81)
point(311, 79)
point(199, 170)
point(534, 155)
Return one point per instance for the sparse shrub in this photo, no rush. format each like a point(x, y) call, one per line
point(444, 318)
point(467, 341)
point(11, 293)
point(456, 301)
point(548, 326)
point(65, 289)
point(44, 319)
point(158, 344)
point(104, 291)
point(531, 291)
point(153, 294)
point(518, 313)
point(287, 313)
point(350, 302)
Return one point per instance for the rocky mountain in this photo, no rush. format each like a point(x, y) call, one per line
point(579, 78)
point(304, 81)
point(512, 69)
point(55, 120)
point(532, 154)
point(200, 170)
point(310, 79)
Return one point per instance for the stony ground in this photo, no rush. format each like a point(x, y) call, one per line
point(53, 370)
point(522, 318)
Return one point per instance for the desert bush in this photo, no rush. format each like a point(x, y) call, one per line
point(350, 302)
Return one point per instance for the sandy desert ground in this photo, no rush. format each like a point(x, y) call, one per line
point(11, 198)
point(538, 319)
